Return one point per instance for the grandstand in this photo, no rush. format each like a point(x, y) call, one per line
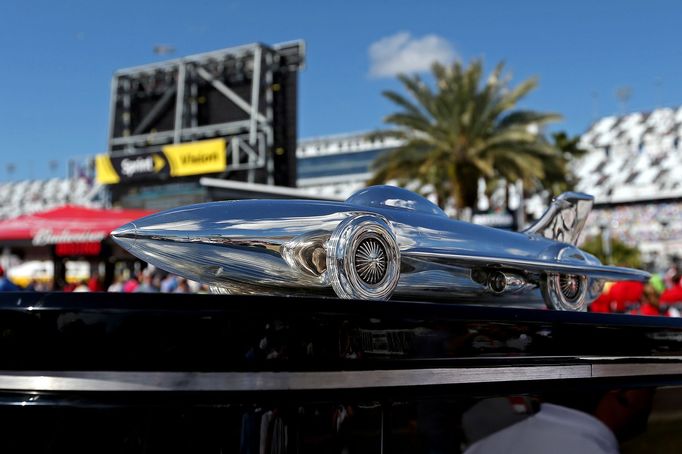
point(632, 158)
point(629, 169)
point(32, 196)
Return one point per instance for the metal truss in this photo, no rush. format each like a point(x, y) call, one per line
point(175, 86)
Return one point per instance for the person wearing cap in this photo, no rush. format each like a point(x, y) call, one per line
point(5, 284)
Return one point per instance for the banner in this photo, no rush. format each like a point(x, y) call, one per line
point(194, 158)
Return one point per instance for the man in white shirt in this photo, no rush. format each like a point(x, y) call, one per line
point(559, 429)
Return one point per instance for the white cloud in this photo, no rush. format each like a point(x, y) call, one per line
point(401, 53)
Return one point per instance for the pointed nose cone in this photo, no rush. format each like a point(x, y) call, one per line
point(125, 235)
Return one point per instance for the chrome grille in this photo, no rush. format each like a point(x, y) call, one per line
point(570, 286)
point(370, 261)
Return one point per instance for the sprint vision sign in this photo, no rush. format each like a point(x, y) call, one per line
point(194, 158)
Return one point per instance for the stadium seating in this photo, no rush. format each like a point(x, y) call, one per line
point(630, 168)
point(632, 157)
point(32, 196)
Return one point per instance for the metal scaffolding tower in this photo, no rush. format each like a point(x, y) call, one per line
point(245, 94)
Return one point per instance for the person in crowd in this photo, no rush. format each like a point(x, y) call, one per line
point(603, 302)
point(673, 294)
point(147, 284)
point(169, 284)
point(575, 422)
point(131, 284)
point(618, 297)
point(117, 285)
point(657, 282)
point(671, 272)
point(5, 284)
point(194, 286)
point(95, 283)
point(625, 295)
point(649, 303)
point(156, 280)
point(82, 287)
point(183, 286)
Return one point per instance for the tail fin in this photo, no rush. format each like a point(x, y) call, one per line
point(565, 217)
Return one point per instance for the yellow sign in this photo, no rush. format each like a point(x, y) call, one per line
point(206, 156)
point(159, 163)
point(194, 158)
point(106, 174)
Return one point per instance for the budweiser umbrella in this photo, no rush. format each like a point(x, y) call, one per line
point(66, 224)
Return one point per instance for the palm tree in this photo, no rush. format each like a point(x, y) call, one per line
point(558, 174)
point(463, 130)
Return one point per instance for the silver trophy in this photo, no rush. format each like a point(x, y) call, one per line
point(383, 242)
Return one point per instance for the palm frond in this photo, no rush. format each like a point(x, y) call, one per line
point(526, 118)
point(403, 102)
point(466, 128)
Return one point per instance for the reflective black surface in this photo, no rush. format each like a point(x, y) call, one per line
point(227, 333)
point(450, 424)
point(233, 374)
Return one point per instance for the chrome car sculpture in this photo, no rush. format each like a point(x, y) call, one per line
point(382, 242)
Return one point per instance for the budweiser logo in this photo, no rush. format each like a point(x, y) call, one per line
point(48, 236)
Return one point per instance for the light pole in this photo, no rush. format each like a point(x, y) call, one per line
point(606, 241)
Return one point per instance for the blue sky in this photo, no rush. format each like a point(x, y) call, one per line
point(59, 56)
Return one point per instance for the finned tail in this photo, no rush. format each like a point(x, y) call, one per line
point(565, 217)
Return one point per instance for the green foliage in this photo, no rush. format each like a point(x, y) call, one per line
point(558, 176)
point(621, 253)
point(465, 128)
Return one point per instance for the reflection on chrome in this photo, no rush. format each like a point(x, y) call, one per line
point(382, 242)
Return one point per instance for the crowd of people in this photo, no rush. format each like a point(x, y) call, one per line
point(152, 280)
point(636, 223)
point(149, 280)
point(662, 296)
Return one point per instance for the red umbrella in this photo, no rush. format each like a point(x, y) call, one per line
point(67, 224)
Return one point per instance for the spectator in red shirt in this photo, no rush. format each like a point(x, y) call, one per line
point(95, 284)
point(649, 304)
point(625, 294)
point(130, 285)
point(602, 303)
point(674, 294)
